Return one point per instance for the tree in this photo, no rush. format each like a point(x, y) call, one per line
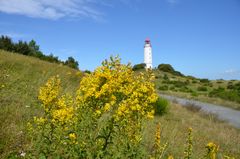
point(52, 58)
point(139, 66)
point(22, 48)
point(168, 68)
point(34, 47)
point(71, 62)
point(6, 43)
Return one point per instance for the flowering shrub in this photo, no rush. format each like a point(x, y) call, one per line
point(104, 118)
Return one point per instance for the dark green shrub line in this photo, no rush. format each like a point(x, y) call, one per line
point(204, 80)
point(139, 66)
point(231, 95)
point(168, 68)
point(202, 88)
point(32, 49)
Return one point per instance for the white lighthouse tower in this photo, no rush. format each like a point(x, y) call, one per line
point(148, 54)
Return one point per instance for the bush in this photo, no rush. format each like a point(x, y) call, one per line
point(187, 82)
point(230, 86)
point(219, 81)
point(87, 72)
point(210, 85)
point(168, 68)
point(194, 94)
point(166, 81)
point(191, 77)
point(234, 86)
point(231, 95)
point(161, 106)
point(163, 88)
point(185, 89)
point(194, 81)
point(178, 84)
point(204, 80)
point(172, 88)
point(139, 66)
point(202, 88)
point(71, 62)
point(165, 77)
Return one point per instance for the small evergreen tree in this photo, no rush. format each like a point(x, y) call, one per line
point(71, 62)
point(6, 43)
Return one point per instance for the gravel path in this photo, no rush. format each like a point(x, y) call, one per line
point(223, 113)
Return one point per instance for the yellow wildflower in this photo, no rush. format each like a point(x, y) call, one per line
point(170, 157)
point(212, 150)
point(39, 121)
point(48, 93)
point(107, 107)
point(64, 115)
point(72, 136)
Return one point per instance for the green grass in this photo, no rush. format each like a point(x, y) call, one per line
point(206, 128)
point(21, 77)
point(193, 88)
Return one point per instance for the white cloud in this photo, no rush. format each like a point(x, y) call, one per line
point(232, 72)
point(51, 9)
point(229, 74)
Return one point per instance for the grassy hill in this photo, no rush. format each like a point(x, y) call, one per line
point(21, 77)
point(221, 92)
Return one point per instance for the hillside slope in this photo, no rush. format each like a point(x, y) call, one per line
point(221, 92)
point(20, 79)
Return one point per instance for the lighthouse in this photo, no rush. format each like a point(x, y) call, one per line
point(148, 54)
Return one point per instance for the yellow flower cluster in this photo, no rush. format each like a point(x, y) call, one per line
point(63, 115)
point(159, 149)
point(39, 121)
point(72, 136)
point(189, 145)
point(64, 111)
point(170, 157)
point(49, 93)
point(60, 109)
point(212, 150)
point(115, 88)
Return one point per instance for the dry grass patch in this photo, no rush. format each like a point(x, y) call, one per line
point(205, 129)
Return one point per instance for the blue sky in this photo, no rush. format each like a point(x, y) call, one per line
point(197, 37)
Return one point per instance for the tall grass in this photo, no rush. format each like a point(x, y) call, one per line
point(205, 128)
point(20, 79)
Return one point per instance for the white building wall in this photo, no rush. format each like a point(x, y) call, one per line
point(148, 55)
